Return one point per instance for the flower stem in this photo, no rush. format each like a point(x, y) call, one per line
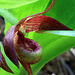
point(43, 11)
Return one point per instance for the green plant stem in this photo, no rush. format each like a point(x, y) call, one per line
point(8, 16)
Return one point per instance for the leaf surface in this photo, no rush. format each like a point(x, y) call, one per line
point(8, 4)
point(52, 44)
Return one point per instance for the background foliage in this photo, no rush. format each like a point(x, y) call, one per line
point(52, 44)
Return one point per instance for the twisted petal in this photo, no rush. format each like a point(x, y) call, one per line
point(3, 64)
point(1, 57)
point(27, 67)
point(43, 23)
point(9, 46)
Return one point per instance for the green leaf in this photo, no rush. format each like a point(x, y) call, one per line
point(64, 12)
point(8, 16)
point(52, 44)
point(8, 4)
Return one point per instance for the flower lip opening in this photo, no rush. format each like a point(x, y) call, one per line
point(31, 45)
point(28, 44)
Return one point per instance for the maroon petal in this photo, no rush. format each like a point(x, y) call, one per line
point(1, 57)
point(3, 64)
point(9, 46)
point(43, 23)
point(27, 67)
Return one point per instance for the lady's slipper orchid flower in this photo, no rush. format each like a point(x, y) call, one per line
point(27, 51)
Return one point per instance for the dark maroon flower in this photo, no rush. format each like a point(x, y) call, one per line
point(27, 51)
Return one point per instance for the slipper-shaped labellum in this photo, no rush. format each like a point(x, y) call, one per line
point(26, 50)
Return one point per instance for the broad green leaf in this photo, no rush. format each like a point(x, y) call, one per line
point(64, 12)
point(8, 4)
point(52, 44)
